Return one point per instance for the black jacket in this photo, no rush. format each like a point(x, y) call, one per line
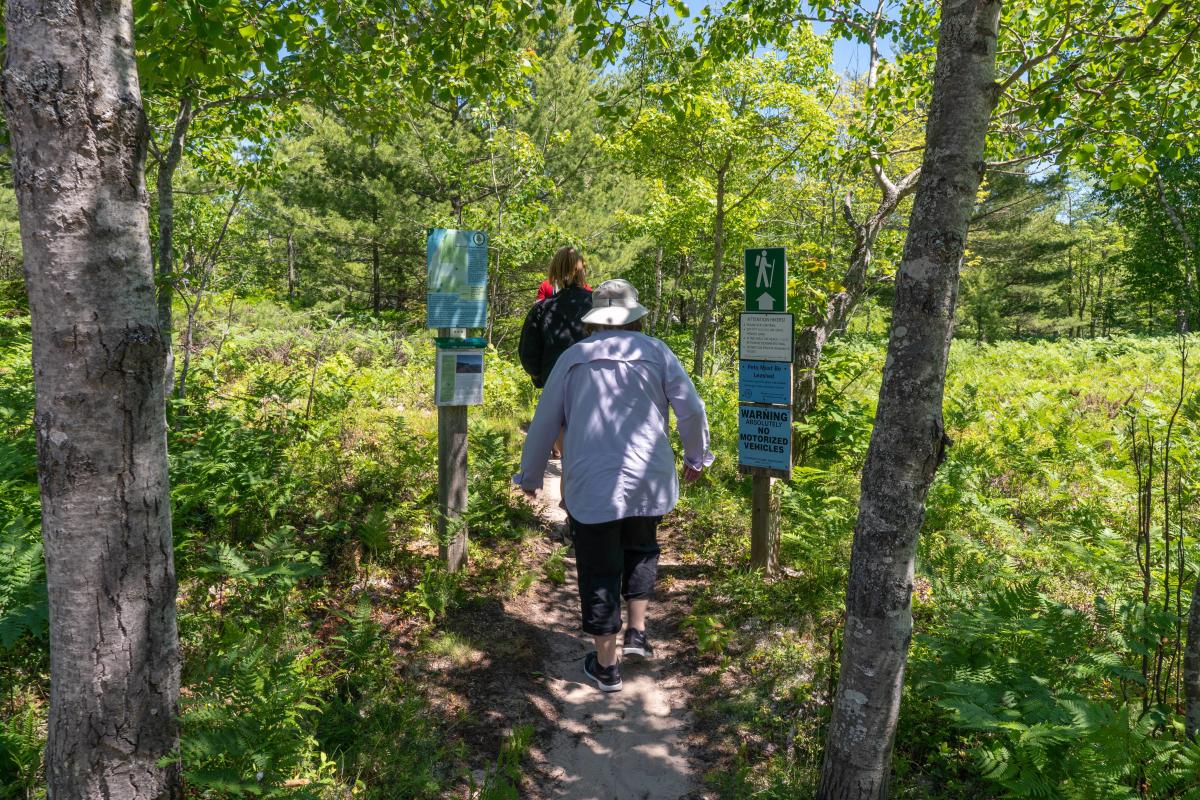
point(551, 326)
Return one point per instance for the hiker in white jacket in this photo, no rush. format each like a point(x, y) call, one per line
point(611, 392)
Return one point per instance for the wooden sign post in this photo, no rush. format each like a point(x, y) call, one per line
point(452, 481)
point(765, 346)
point(456, 300)
point(764, 523)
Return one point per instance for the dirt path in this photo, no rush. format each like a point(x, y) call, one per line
point(629, 745)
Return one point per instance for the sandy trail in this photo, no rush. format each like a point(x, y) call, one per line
point(627, 745)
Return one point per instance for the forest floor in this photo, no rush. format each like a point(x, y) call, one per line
point(587, 745)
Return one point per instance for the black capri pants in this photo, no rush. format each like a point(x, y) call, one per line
point(611, 557)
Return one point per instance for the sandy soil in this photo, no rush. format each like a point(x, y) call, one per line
point(520, 662)
point(619, 746)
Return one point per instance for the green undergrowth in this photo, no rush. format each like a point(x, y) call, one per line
point(303, 467)
point(304, 474)
point(1025, 677)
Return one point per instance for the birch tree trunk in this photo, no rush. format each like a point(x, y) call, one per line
point(908, 440)
point(73, 106)
point(165, 191)
point(706, 315)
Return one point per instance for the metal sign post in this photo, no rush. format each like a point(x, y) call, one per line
point(456, 300)
point(765, 350)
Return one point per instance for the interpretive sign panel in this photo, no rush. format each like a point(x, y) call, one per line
point(765, 437)
point(766, 337)
point(456, 291)
point(765, 382)
point(459, 377)
point(766, 279)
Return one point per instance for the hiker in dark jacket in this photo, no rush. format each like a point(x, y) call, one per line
point(554, 324)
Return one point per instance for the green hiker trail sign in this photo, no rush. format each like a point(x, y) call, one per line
point(766, 279)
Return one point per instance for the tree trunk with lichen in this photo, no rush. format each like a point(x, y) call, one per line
point(165, 187)
point(74, 110)
point(810, 343)
point(908, 440)
point(706, 318)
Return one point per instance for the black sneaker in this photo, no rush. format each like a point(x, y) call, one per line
point(608, 679)
point(636, 644)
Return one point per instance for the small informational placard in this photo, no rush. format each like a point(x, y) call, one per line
point(459, 377)
point(765, 382)
point(456, 291)
point(765, 337)
point(765, 438)
point(766, 279)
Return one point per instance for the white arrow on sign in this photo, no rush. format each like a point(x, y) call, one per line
point(766, 302)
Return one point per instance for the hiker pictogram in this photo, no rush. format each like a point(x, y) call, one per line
point(766, 279)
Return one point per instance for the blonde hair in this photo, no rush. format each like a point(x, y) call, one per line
point(567, 268)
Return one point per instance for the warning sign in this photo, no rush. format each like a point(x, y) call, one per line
point(765, 438)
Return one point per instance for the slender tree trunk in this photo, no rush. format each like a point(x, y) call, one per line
point(1098, 302)
point(224, 335)
point(1070, 298)
point(908, 440)
point(197, 287)
point(684, 261)
point(1191, 667)
point(1085, 291)
point(493, 290)
point(1191, 256)
point(189, 262)
point(707, 314)
point(165, 190)
point(181, 387)
point(74, 110)
point(376, 299)
point(291, 264)
point(656, 314)
point(810, 344)
point(494, 281)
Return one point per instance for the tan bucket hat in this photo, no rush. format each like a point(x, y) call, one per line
point(615, 302)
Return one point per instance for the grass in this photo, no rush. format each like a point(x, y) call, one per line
point(453, 647)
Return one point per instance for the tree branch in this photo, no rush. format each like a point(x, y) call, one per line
point(1030, 63)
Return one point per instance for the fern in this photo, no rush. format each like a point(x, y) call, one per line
point(248, 717)
point(1018, 670)
point(24, 605)
point(21, 744)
